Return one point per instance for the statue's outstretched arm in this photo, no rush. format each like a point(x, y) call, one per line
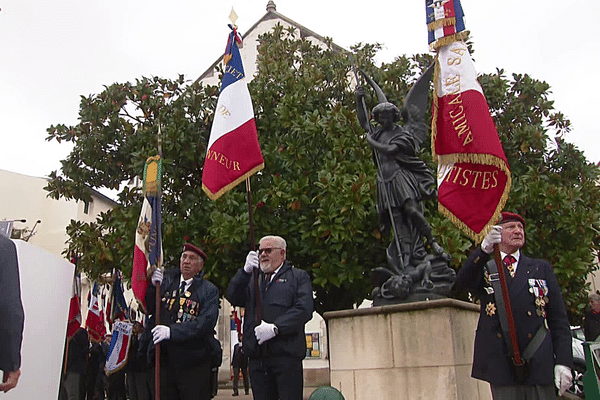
point(382, 147)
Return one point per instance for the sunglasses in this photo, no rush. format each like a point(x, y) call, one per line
point(267, 250)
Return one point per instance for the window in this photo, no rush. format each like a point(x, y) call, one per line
point(312, 345)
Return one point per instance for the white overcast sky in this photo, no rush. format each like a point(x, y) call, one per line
point(51, 52)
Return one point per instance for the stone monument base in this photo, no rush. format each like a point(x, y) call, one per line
point(416, 351)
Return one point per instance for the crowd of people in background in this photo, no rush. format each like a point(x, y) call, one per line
point(84, 376)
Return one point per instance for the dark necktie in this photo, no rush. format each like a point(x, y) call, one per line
point(182, 288)
point(509, 262)
point(268, 276)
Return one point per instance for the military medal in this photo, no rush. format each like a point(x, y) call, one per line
point(539, 301)
point(179, 313)
point(187, 294)
point(490, 309)
point(539, 289)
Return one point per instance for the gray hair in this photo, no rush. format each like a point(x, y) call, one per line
point(279, 241)
point(595, 296)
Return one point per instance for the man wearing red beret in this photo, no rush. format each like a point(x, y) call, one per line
point(189, 311)
point(540, 318)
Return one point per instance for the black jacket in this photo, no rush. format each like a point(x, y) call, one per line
point(11, 308)
point(191, 334)
point(79, 347)
point(239, 359)
point(286, 302)
point(490, 359)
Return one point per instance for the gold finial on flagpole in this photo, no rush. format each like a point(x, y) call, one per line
point(233, 17)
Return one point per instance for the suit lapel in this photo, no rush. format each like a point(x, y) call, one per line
point(283, 268)
point(520, 280)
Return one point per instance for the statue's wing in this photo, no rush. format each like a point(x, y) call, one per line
point(415, 106)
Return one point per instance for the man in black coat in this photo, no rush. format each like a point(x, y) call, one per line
point(139, 372)
point(76, 368)
point(536, 302)
point(274, 337)
point(12, 316)
point(190, 307)
point(239, 362)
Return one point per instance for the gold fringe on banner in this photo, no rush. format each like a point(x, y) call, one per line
point(478, 236)
point(463, 35)
point(440, 23)
point(225, 189)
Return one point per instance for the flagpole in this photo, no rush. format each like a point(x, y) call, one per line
point(516, 355)
point(250, 219)
point(157, 304)
point(257, 298)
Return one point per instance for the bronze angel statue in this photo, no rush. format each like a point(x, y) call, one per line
point(403, 181)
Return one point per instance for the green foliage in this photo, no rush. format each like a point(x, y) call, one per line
point(318, 186)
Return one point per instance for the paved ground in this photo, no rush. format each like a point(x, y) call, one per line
point(225, 393)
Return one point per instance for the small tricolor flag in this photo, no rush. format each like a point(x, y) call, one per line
point(118, 351)
point(473, 173)
point(445, 22)
point(148, 255)
point(233, 153)
point(118, 305)
point(94, 321)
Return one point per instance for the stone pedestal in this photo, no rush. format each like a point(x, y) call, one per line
point(421, 350)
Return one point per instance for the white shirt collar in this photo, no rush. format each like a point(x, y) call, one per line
point(276, 271)
point(188, 282)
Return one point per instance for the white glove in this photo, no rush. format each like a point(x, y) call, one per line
point(562, 378)
point(494, 236)
point(251, 261)
point(160, 333)
point(157, 276)
point(265, 331)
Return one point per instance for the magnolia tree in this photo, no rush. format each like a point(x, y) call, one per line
point(317, 189)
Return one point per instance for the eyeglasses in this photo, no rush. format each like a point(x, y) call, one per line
point(267, 250)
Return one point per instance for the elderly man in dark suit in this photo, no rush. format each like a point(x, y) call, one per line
point(11, 315)
point(190, 307)
point(275, 343)
point(537, 305)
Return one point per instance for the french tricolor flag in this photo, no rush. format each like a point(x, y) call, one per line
point(118, 350)
point(233, 153)
point(473, 173)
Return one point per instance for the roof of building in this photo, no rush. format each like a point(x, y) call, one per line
point(270, 15)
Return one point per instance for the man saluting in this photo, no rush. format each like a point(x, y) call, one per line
point(539, 314)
